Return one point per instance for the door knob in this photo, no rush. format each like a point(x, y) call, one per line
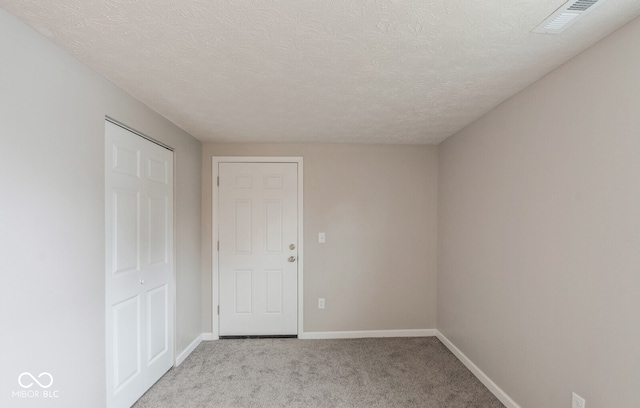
point(292, 259)
point(141, 281)
point(292, 247)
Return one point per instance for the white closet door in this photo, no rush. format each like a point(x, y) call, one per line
point(139, 264)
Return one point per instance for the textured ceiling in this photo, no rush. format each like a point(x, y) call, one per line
point(364, 71)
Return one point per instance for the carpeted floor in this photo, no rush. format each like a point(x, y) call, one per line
point(388, 372)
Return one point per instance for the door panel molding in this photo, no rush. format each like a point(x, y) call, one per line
point(216, 160)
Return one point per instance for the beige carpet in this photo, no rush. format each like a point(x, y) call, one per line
point(390, 372)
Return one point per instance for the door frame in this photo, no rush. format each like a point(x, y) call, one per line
point(215, 301)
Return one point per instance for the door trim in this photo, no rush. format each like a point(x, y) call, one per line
point(215, 328)
point(142, 135)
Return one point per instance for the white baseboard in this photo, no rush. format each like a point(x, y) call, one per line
point(209, 337)
point(484, 379)
point(185, 353)
point(367, 334)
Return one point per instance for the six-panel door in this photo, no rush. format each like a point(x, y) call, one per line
point(258, 232)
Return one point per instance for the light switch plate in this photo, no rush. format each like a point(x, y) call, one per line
point(321, 237)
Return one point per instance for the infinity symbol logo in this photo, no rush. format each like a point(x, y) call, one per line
point(29, 383)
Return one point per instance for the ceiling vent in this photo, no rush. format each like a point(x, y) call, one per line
point(567, 14)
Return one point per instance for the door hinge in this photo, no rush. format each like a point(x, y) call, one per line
point(218, 245)
point(218, 310)
point(218, 182)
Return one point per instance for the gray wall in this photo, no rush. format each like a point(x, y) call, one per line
point(377, 205)
point(52, 111)
point(539, 234)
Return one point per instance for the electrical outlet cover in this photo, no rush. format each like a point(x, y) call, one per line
point(578, 401)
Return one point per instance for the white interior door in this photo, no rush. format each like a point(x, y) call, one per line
point(139, 264)
point(258, 239)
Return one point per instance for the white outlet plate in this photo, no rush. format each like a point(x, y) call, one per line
point(320, 303)
point(577, 401)
point(321, 237)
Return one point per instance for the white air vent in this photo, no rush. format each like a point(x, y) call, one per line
point(566, 15)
